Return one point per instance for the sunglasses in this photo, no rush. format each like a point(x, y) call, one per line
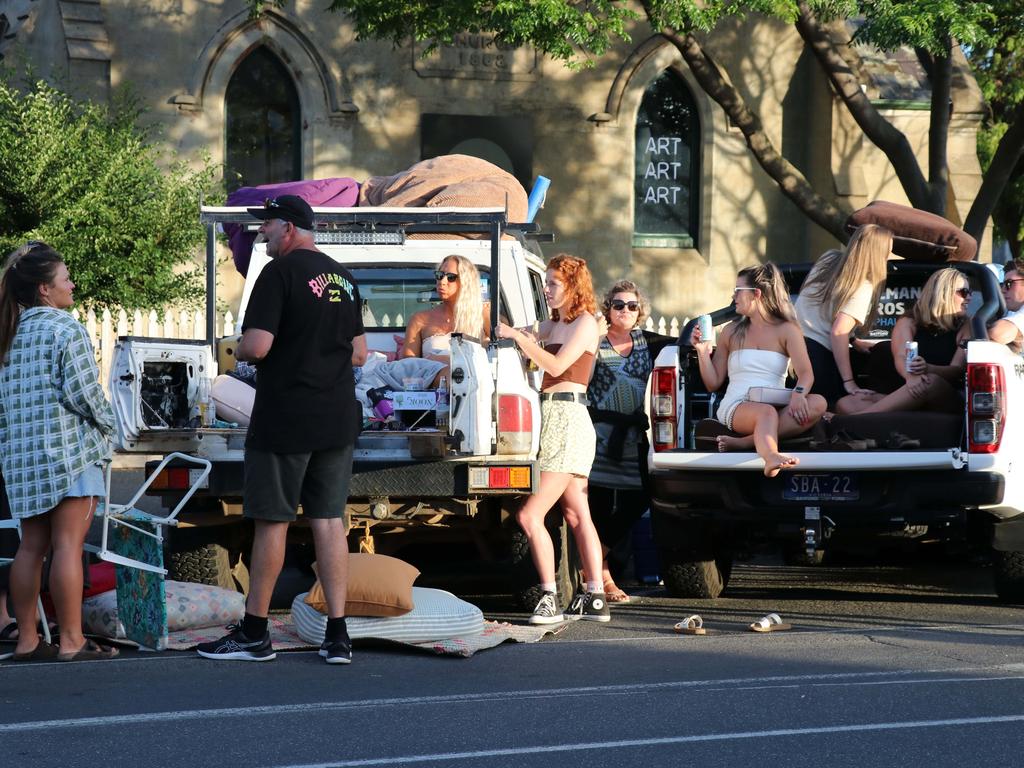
point(964, 293)
point(739, 288)
point(271, 203)
point(440, 275)
point(1008, 284)
point(619, 305)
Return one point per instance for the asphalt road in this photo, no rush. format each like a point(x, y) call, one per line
point(885, 666)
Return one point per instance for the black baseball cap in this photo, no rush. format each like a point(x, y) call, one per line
point(287, 208)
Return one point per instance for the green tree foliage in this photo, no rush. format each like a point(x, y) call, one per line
point(576, 31)
point(89, 181)
point(999, 69)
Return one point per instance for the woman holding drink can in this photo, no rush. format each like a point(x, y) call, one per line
point(927, 348)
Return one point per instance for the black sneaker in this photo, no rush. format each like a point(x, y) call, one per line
point(235, 645)
point(337, 651)
point(588, 606)
point(547, 611)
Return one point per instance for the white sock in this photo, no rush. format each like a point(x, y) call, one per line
point(595, 586)
point(549, 586)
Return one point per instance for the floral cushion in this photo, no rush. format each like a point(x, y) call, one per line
point(189, 606)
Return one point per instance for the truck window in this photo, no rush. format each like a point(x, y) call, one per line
point(537, 291)
point(391, 295)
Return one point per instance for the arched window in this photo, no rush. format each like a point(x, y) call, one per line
point(667, 172)
point(262, 137)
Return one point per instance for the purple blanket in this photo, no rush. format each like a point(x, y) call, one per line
point(331, 193)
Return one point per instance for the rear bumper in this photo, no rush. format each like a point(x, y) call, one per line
point(885, 498)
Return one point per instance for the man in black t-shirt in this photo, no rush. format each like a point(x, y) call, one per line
point(303, 329)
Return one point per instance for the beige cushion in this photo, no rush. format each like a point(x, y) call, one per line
point(917, 235)
point(378, 585)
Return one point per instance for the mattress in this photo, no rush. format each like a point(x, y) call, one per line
point(437, 615)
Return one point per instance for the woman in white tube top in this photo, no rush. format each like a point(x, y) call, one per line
point(755, 351)
point(462, 310)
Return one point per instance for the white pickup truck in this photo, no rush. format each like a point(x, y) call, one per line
point(410, 488)
point(964, 478)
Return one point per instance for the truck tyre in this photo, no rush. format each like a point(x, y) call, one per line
point(1008, 572)
point(567, 571)
point(200, 555)
point(701, 579)
point(694, 561)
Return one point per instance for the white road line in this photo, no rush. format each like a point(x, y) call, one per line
point(655, 742)
point(844, 679)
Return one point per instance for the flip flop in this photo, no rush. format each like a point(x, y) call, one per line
point(8, 633)
point(615, 595)
point(770, 623)
point(5, 656)
point(42, 652)
point(691, 625)
point(91, 651)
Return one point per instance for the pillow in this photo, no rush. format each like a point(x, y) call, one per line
point(438, 615)
point(917, 235)
point(189, 606)
point(378, 585)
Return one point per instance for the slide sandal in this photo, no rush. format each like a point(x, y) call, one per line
point(770, 623)
point(691, 625)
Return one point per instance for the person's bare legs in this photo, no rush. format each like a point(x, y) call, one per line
point(858, 403)
point(268, 545)
point(939, 395)
point(531, 519)
point(26, 578)
point(331, 546)
point(69, 524)
point(788, 426)
point(576, 509)
point(762, 420)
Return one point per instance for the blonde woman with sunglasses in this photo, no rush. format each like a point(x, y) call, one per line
point(461, 310)
point(938, 323)
point(756, 351)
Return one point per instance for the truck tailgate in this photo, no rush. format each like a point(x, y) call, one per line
point(812, 460)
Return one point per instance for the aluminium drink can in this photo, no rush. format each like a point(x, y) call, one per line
point(911, 352)
point(707, 331)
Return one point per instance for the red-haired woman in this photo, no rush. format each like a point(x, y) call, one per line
point(567, 440)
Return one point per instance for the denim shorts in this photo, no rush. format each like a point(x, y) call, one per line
point(91, 482)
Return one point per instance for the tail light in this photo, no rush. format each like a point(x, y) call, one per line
point(986, 407)
point(663, 408)
point(515, 424)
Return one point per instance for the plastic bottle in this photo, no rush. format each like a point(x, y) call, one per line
point(441, 409)
point(207, 408)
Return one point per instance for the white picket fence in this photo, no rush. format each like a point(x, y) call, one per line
point(105, 328)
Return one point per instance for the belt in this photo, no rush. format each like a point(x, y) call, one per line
point(572, 397)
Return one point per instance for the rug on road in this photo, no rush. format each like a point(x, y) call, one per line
point(285, 638)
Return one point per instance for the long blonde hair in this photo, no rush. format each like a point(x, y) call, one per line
point(469, 306)
point(936, 309)
point(838, 274)
point(775, 303)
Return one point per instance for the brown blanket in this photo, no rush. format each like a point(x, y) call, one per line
point(448, 181)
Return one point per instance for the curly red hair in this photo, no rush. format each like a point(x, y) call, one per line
point(579, 286)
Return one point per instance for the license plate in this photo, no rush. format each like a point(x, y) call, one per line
point(820, 487)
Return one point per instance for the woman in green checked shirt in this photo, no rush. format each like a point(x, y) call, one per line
point(55, 424)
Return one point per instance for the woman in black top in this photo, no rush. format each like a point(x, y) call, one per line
point(938, 324)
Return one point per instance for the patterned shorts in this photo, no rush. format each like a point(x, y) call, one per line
point(567, 439)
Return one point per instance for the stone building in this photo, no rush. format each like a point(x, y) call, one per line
point(648, 178)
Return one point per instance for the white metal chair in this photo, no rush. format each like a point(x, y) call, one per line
point(12, 524)
point(127, 516)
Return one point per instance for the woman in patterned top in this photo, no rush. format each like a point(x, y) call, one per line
point(54, 426)
point(625, 358)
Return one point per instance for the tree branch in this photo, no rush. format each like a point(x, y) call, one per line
point(789, 178)
point(879, 131)
point(938, 130)
point(1005, 159)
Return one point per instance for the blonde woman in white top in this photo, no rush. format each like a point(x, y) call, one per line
point(838, 297)
point(756, 351)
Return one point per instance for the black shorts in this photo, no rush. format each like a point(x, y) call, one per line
point(277, 483)
point(828, 382)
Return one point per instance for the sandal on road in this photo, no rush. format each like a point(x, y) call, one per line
point(770, 623)
point(691, 625)
point(9, 634)
point(42, 652)
point(91, 651)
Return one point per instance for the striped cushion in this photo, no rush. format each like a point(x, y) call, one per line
point(438, 615)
